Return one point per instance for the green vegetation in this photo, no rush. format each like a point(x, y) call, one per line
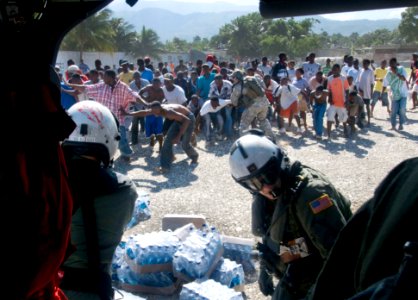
point(245, 36)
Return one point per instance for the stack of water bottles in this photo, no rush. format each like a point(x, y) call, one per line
point(153, 248)
point(229, 273)
point(144, 263)
point(240, 251)
point(199, 253)
point(208, 289)
point(141, 211)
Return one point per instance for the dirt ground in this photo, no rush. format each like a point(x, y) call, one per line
point(356, 166)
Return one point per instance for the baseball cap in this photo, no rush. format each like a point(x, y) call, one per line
point(73, 69)
point(168, 76)
point(237, 74)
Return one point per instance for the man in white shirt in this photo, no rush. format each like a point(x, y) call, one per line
point(396, 80)
point(287, 98)
point(348, 64)
point(213, 105)
point(222, 89)
point(173, 93)
point(211, 109)
point(264, 66)
point(310, 68)
point(365, 82)
point(354, 71)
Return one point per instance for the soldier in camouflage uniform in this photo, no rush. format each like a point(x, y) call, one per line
point(296, 211)
point(256, 107)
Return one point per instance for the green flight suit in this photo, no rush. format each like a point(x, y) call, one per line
point(113, 195)
point(370, 248)
point(310, 208)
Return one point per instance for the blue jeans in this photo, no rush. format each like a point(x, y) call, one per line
point(124, 147)
point(166, 157)
point(318, 117)
point(398, 108)
point(228, 121)
point(217, 120)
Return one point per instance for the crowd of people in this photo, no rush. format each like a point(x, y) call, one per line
point(344, 94)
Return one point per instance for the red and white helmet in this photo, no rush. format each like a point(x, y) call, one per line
point(96, 133)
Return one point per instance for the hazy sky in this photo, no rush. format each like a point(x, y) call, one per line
point(371, 14)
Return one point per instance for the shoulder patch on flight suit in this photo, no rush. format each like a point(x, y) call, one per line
point(320, 204)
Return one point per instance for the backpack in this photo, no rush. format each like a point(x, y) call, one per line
point(252, 88)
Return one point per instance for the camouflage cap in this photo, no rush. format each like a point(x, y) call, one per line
point(238, 75)
point(168, 76)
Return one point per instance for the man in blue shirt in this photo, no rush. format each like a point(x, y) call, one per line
point(145, 72)
point(69, 95)
point(204, 81)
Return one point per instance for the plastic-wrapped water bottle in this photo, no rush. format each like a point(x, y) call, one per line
point(240, 251)
point(228, 273)
point(141, 211)
point(152, 248)
point(199, 251)
point(117, 260)
point(126, 275)
point(155, 279)
point(208, 290)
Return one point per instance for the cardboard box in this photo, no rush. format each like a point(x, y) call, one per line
point(174, 221)
point(165, 291)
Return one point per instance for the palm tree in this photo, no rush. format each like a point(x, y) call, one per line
point(93, 34)
point(125, 35)
point(147, 43)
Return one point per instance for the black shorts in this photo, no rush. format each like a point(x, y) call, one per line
point(366, 101)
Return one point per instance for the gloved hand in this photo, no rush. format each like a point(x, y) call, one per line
point(265, 281)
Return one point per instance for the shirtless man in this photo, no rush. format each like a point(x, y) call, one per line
point(153, 124)
point(318, 99)
point(181, 128)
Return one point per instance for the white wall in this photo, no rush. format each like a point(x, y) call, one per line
point(111, 59)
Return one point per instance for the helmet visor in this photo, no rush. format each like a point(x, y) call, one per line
point(267, 175)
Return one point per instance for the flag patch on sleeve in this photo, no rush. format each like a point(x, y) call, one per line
point(320, 204)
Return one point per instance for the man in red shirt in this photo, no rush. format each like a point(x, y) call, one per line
point(338, 90)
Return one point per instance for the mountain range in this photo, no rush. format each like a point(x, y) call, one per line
point(186, 20)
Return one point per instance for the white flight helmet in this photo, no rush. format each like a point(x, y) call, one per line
point(97, 131)
point(255, 161)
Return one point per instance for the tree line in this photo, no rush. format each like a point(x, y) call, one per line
point(246, 36)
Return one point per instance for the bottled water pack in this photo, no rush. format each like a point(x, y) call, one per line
point(228, 273)
point(208, 290)
point(141, 211)
point(118, 260)
point(155, 279)
point(198, 253)
point(151, 248)
point(240, 251)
